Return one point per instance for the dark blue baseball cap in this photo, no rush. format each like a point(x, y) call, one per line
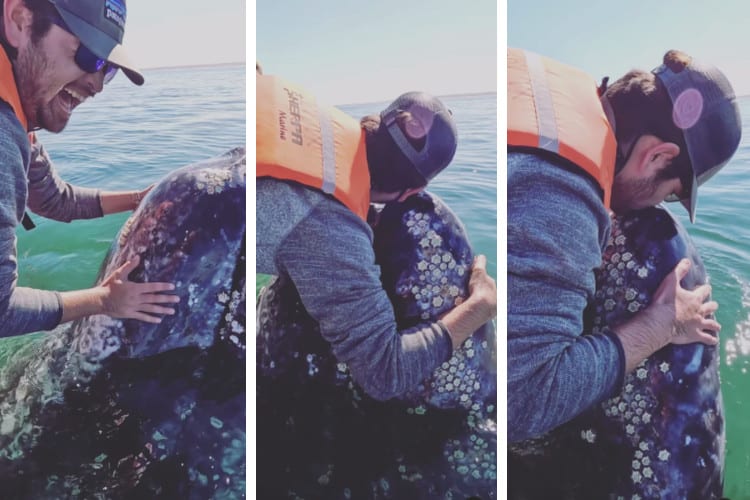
point(431, 121)
point(705, 108)
point(100, 26)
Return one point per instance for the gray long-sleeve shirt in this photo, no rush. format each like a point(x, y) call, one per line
point(326, 251)
point(22, 309)
point(52, 197)
point(557, 230)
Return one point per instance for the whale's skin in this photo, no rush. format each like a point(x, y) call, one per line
point(111, 408)
point(662, 436)
point(321, 436)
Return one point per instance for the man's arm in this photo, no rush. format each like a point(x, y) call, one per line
point(330, 259)
point(555, 371)
point(22, 310)
point(557, 227)
point(52, 197)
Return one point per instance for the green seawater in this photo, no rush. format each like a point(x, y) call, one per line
point(125, 139)
point(722, 235)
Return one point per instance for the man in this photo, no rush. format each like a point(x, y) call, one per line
point(317, 172)
point(653, 136)
point(55, 54)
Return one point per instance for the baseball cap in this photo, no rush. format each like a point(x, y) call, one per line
point(100, 26)
point(705, 108)
point(431, 121)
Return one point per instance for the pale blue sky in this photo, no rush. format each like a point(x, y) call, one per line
point(610, 38)
point(363, 51)
point(185, 32)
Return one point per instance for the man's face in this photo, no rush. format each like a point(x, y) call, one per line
point(633, 193)
point(49, 81)
point(643, 181)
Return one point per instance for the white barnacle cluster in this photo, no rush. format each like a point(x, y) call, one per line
point(431, 288)
point(613, 295)
point(407, 474)
point(213, 181)
point(417, 223)
point(192, 295)
point(125, 231)
point(457, 380)
point(588, 435)
point(634, 409)
point(473, 459)
point(641, 470)
point(234, 327)
point(313, 366)
point(100, 339)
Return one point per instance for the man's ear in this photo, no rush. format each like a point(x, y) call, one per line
point(656, 155)
point(409, 192)
point(16, 20)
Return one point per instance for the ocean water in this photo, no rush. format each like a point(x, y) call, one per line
point(722, 235)
point(469, 187)
point(126, 138)
point(469, 184)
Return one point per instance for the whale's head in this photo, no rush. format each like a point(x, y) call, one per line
point(424, 256)
point(189, 230)
point(425, 259)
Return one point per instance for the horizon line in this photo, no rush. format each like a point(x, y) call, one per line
point(197, 65)
point(458, 94)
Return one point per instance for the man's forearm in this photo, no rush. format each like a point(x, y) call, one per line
point(81, 303)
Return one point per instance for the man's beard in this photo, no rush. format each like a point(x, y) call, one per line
point(31, 72)
point(627, 193)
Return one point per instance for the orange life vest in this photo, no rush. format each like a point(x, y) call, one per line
point(555, 107)
point(319, 146)
point(9, 94)
point(9, 90)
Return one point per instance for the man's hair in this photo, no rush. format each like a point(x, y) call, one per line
point(385, 159)
point(642, 106)
point(42, 11)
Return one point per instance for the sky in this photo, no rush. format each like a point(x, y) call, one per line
point(162, 33)
point(348, 52)
point(611, 38)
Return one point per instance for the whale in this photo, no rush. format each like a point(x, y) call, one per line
point(321, 436)
point(119, 408)
point(662, 435)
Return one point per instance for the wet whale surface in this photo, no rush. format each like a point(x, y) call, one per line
point(662, 436)
point(109, 408)
point(321, 436)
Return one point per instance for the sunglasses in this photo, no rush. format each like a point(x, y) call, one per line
point(85, 59)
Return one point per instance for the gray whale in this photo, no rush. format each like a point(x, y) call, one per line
point(110, 408)
point(662, 436)
point(321, 436)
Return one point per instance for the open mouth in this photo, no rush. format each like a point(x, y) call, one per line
point(70, 98)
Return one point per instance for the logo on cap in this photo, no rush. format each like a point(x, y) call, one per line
point(114, 11)
point(687, 108)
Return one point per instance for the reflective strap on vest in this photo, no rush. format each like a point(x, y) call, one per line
point(328, 149)
point(545, 112)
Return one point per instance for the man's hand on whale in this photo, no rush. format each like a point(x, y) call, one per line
point(479, 308)
point(675, 316)
point(119, 297)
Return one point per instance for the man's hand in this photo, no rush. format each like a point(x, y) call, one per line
point(126, 299)
point(675, 315)
point(689, 310)
point(478, 308)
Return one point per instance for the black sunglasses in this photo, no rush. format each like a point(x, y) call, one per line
point(84, 58)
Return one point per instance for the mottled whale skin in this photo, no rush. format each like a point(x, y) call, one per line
point(662, 436)
point(321, 436)
point(109, 408)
